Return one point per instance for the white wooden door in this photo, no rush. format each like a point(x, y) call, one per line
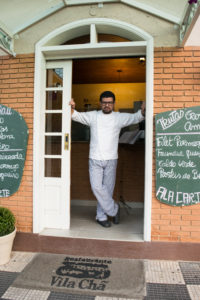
point(56, 141)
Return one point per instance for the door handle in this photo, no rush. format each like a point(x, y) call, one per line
point(66, 143)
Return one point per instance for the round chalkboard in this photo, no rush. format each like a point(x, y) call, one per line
point(13, 146)
point(178, 156)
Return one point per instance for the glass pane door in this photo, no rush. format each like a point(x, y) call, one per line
point(53, 122)
point(56, 155)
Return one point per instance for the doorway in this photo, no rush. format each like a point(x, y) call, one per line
point(53, 47)
point(125, 76)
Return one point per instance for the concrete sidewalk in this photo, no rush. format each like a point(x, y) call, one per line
point(165, 280)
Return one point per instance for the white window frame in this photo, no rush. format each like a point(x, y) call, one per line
point(49, 49)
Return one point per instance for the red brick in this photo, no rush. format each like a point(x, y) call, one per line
point(160, 222)
point(157, 93)
point(10, 71)
point(195, 234)
point(170, 239)
point(158, 70)
point(190, 228)
point(192, 59)
point(196, 53)
point(163, 65)
point(171, 217)
point(196, 64)
point(173, 81)
point(183, 87)
point(194, 48)
point(170, 227)
point(157, 105)
point(192, 81)
point(162, 98)
point(162, 54)
point(157, 82)
point(195, 223)
point(180, 211)
point(11, 61)
point(174, 59)
point(165, 87)
point(174, 70)
point(173, 93)
point(183, 99)
point(158, 60)
point(184, 54)
point(192, 70)
point(159, 232)
point(183, 65)
point(161, 211)
point(183, 76)
point(189, 239)
point(192, 93)
point(180, 222)
point(180, 233)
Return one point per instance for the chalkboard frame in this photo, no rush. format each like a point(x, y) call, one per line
point(13, 147)
point(178, 156)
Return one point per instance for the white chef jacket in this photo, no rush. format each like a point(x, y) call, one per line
point(105, 130)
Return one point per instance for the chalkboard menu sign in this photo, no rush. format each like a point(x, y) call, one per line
point(13, 145)
point(178, 156)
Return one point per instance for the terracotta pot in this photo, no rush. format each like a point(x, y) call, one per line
point(6, 243)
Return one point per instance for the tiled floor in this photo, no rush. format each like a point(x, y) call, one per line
point(168, 280)
point(83, 225)
point(165, 280)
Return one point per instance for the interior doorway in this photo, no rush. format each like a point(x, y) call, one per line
point(125, 77)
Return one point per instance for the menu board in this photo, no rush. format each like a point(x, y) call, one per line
point(178, 156)
point(13, 145)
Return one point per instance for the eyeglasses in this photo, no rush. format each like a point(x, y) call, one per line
point(107, 103)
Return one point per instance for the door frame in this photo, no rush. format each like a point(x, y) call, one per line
point(49, 48)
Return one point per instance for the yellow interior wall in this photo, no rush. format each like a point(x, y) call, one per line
point(125, 94)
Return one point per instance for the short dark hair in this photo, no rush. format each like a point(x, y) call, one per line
point(107, 94)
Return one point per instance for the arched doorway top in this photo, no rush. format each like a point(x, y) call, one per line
point(93, 27)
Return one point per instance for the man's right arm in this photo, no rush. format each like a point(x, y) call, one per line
point(73, 104)
point(81, 117)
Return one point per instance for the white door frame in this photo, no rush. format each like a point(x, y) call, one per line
point(49, 48)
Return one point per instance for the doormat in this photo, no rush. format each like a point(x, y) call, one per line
point(84, 275)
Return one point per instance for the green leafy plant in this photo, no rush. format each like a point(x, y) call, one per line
point(7, 221)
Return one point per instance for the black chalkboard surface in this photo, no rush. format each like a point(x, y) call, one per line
point(13, 145)
point(178, 156)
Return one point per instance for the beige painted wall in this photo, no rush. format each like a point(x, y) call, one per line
point(164, 32)
point(125, 93)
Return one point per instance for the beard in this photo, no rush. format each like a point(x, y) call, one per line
point(106, 111)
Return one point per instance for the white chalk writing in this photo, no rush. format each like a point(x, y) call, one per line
point(4, 193)
point(5, 111)
point(172, 119)
point(170, 196)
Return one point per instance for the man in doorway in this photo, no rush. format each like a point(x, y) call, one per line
point(105, 126)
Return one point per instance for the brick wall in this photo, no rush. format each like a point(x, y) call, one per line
point(16, 91)
point(176, 85)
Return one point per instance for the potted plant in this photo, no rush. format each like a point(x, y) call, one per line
point(7, 234)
